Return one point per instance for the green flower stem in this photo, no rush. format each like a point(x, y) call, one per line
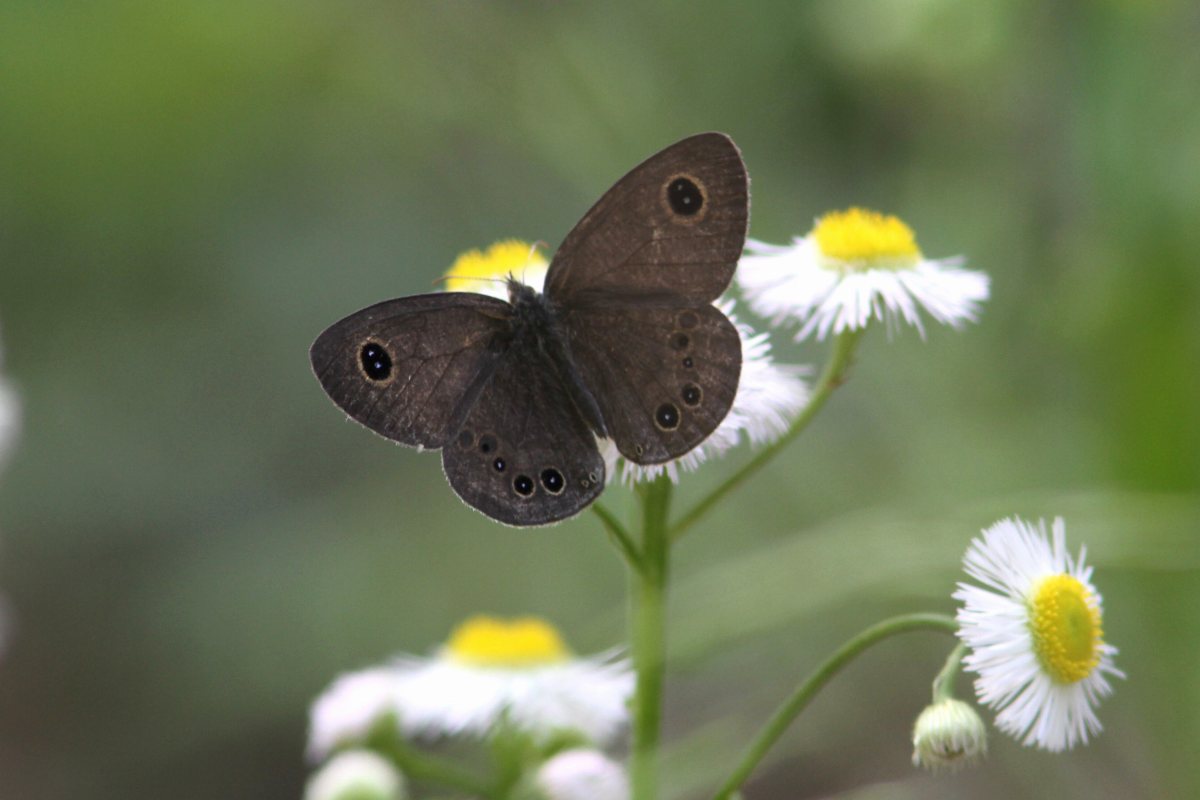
point(428, 768)
point(943, 684)
point(833, 376)
point(648, 618)
point(792, 707)
point(619, 536)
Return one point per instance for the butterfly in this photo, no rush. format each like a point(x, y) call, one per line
point(624, 344)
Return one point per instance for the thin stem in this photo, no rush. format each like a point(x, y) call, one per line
point(648, 612)
point(833, 376)
point(792, 707)
point(943, 684)
point(619, 536)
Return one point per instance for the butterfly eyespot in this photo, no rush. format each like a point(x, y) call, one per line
point(593, 477)
point(487, 444)
point(638, 450)
point(688, 363)
point(684, 197)
point(666, 416)
point(552, 479)
point(691, 394)
point(688, 319)
point(499, 465)
point(376, 363)
point(523, 485)
point(680, 341)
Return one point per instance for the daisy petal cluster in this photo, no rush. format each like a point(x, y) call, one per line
point(10, 419)
point(1034, 633)
point(10, 416)
point(855, 266)
point(490, 672)
point(769, 396)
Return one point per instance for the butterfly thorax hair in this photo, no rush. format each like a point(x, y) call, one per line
point(532, 311)
point(535, 326)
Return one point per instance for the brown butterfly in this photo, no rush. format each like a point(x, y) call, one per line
point(624, 344)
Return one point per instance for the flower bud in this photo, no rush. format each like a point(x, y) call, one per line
point(356, 775)
point(582, 775)
point(947, 736)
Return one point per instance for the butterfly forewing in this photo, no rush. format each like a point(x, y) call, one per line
point(524, 455)
point(674, 226)
point(409, 369)
point(664, 378)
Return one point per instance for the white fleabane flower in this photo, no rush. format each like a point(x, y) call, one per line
point(1034, 634)
point(769, 395)
point(582, 775)
point(10, 417)
point(356, 775)
point(10, 421)
point(855, 266)
point(491, 672)
point(947, 736)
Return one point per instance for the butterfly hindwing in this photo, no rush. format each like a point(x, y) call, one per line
point(524, 455)
point(674, 225)
point(664, 378)
point(433, 354)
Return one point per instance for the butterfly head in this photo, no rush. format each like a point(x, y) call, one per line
point(520, 294)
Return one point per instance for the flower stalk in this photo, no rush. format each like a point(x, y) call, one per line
point(648, 617)
point(832, 376)
point(805, 692)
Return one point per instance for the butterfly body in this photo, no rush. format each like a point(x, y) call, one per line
point(624, 344)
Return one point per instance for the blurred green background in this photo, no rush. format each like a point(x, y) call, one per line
point(194, 542)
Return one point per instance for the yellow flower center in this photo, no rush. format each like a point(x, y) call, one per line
point(477, 270)
point(522, 642)
point(1065, 622)
point(860, 239)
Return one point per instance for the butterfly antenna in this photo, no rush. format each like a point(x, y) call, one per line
point(444, 278)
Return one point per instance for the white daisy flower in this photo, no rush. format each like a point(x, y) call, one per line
point(947, 736)
point(10, 417)
point(769, 396)
point(490, 672)
point(855, 266)
point(356, 775)
point(10, 423)
point(582, 775)
point(1035, 636)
